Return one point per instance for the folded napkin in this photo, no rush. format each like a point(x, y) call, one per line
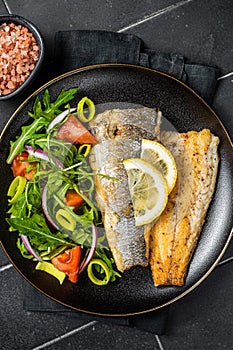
point(153, 322)
point(75, 49)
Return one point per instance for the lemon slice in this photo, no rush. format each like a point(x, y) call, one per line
point(159, 156)
point(148, 190)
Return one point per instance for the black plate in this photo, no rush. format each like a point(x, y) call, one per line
point(134, 292)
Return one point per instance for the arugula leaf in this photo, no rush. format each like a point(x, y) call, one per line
point(36, 227)
point(64, 97)
point(28, 133)
point(28, 203)
point(36, 107)
point(42, 117)
point(64, 151)
point(18, 209)
point(46, 99)
point(48, 109)
point(39, 111)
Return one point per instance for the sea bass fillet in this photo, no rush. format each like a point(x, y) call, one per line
point(175, 234)
point(126, 124)
point(119, 133)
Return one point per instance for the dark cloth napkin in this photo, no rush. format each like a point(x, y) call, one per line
point(153, 322)
point(75, 49)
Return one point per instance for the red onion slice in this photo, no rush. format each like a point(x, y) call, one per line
point(29, 247)
point(45, 209)
point(59, 118)
point(91, 252)
point(38, 153)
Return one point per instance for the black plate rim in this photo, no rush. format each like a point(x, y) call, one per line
point(153, 71)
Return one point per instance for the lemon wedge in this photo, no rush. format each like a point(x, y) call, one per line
point(148, 190)
point(159, 156)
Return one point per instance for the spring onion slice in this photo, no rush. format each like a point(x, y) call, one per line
point(64, 218)
point(49, 268)
point(16, 188)
point(105, 268)
point(87, 148)
point(59, 118)
point(80, 110)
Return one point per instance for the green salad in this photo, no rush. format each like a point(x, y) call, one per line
point(52, 204)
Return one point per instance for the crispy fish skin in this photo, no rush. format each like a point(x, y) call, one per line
point(175, 234)
point(126, 123)
point(126, 241)
point(106, 158)
point(119, 134)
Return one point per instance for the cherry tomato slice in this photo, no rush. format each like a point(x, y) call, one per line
point(21, 167)
point(74, 131)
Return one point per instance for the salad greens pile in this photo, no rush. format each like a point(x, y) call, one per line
point(63, 167)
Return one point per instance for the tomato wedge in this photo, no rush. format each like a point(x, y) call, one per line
point(73, 199)
point(68, 262)
point(75, 132)
point(20, 166)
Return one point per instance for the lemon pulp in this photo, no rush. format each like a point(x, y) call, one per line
point(159, 156)
point(148, 190)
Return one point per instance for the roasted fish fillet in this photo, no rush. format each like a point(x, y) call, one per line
point(126, 123)
point(174, 236)
point(119, 134)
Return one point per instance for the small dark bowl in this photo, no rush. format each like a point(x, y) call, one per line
point(40, 42)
